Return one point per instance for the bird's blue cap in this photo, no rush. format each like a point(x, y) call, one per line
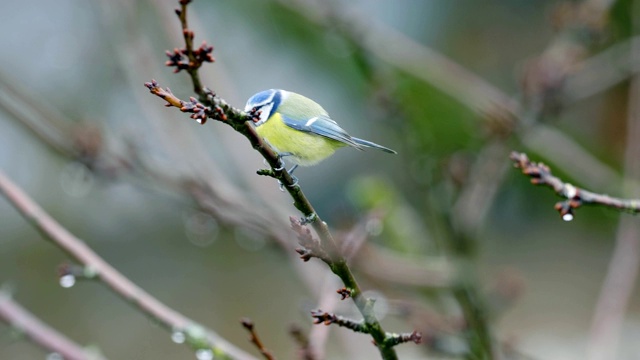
point(261, 98)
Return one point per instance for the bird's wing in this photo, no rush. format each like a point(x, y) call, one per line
point(321, 125)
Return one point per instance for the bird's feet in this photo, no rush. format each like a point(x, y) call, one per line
point(308, 219)
point(295, 183)
point(281, 164)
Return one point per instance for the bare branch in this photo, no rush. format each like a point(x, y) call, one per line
point(248, 324)
point(326, 318)
point(541, 175)
point(414, 337)
point(305, 352)
point(196, 335)
point(40, 333)
point(310, 247)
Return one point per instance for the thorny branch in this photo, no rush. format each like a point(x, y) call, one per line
point(540, 174)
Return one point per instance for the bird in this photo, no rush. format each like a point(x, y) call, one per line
point(299, 129)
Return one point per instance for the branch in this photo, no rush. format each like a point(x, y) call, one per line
point(391, 340)
point(541, 175)
point(40, 333)
point(196, 57)
point(194, 334)
point(322, 317)
point(248, 324)
point(213, 107)
point(304, 352)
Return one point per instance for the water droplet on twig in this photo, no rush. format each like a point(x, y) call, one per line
point(178, 337)
point(67, 281)
point(567, 217)
point(204, 354)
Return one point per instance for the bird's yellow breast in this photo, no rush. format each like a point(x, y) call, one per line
point(305, 148)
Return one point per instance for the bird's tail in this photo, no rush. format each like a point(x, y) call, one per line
point(369, 144)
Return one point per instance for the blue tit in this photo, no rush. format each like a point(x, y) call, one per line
point(299, 128)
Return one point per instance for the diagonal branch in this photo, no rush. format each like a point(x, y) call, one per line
point(40, 333)
point(195, 335)
point(219, 110)
point(255, 340)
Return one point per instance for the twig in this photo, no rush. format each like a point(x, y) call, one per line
point(305, 352)
point(541, 175)
point(196, 57)
point(351, 243)
point(552, 143)
point(248, 324)
point(40, 333)
point(322, 317)
point(414, 337)
point(196, 335)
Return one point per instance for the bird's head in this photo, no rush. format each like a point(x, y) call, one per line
point(263, 104)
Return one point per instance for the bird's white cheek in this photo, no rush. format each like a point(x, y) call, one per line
point(264, 114)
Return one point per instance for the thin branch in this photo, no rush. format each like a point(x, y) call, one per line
point(255, 340)
point(305, 352)
point(552, 143)
point(414, 337)
point(323, 317)
point(196, 335)
point(541, 175)
point(196, 57)
point(351, 243)
point(40, 333)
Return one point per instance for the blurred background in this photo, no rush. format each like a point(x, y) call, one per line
point(445, 229)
